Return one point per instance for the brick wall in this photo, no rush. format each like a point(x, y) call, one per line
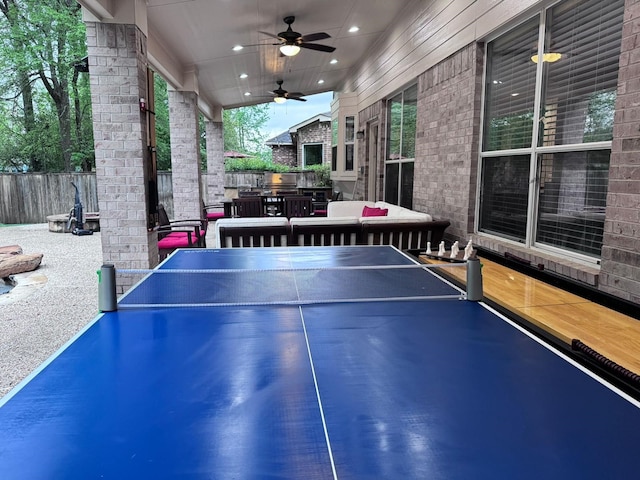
point(620, 266)
point(317, 132)
point(215, 162)
point(447, 140)
point(117, 60)
point(185, 154)
point(284, 155)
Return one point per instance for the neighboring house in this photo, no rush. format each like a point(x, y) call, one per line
point(305, 144)
point(283, 150)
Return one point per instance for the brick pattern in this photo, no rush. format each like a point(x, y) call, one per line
point(447, 140)
point(118, 65)
point(376, 111)
point(317, 132)
point(215, 162)
point(185, 154)
point(284, 155)
point(620, 270)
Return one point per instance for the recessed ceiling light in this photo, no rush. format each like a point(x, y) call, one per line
point(515, 94)
point(243, 75)
point(246, 94)
point(237, 48)
point(333, 61)
point(354, 29)
point(497, 82)
point(320, 81)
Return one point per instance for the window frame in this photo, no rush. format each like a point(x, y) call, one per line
point(304, 153)
point(400, 161)
point(536, 148)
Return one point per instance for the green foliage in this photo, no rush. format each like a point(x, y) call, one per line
point(254, 164)
point(47, 126)
point(161, 109)
point(243, 130)
point(323, 175)
point(510, 131)
point(600, 112)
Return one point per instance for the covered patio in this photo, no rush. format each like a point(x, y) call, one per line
point(417, 85)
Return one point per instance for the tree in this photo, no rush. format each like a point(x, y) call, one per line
point(243, 130)
point(45, 40)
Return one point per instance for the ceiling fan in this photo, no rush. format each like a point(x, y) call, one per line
point(291, 42)
point(281, 95)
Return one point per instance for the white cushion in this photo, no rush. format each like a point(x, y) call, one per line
point(247, 222)
point(347, 208)
point(396, 220)
point(401, 212)
point(324, 221)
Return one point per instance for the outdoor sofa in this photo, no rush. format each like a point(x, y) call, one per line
point(346, 223)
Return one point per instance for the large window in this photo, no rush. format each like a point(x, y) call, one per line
point(402, 111)
point(548, 125)
point(349, 137)
point(334, 145)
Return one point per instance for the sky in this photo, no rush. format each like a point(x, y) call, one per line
point(292, 112)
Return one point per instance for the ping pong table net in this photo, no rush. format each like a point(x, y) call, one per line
point(285, 286)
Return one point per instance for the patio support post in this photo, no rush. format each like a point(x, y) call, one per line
point(118, 73)
point(215, 162)
point(185, 154)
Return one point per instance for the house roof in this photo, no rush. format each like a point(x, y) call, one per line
point(283, 139)
point(321, 117)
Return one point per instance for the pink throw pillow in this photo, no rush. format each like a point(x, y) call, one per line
point(374, 211)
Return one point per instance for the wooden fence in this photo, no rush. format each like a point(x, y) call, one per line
point(31, 197)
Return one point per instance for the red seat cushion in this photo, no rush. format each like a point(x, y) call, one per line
point(175, 240)
point(374, 212)
point(214, 215)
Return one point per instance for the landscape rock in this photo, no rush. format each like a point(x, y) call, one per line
point(11, 250)
point(11, 264)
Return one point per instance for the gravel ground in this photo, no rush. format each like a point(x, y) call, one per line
point(63, 299)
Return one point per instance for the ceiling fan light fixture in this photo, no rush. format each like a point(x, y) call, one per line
point(279, 99)
point(290, 50)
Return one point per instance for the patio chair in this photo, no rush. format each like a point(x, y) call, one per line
point(248, 207)
point(213, 212)
point(320, 204)
point(298, 206)
point(188, 233)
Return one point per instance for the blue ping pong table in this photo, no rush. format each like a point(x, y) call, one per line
point(215, 368)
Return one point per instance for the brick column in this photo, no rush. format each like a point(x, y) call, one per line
point(185, 154)
point(215, 162)
point(620, 270)
point(118, 66)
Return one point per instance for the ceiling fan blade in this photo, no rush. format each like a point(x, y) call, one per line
point(317, 46)
point(259, 44)
point(312, 37)
point(269, 34)
point(294, 94)
point(298, 99)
